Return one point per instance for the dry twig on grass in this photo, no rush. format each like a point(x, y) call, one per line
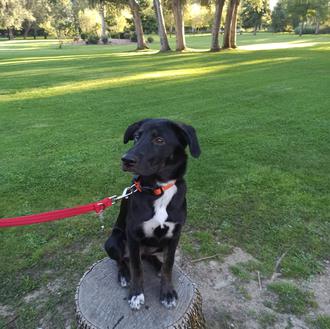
point(277, 265)
point(259, 280)
point(11, 321)
point(204, 258)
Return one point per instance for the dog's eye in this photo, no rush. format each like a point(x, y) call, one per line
point(159, 141)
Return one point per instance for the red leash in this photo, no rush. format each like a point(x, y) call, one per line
point(98, 207)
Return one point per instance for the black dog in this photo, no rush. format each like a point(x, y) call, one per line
point(151, 219)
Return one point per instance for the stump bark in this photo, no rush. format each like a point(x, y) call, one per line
point(102, 304)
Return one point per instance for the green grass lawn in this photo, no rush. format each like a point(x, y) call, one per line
point(262, 182)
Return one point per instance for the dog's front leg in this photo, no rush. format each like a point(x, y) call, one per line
point(136, 296)
point(168, 295)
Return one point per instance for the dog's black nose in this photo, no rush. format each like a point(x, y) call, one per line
point(129, 160)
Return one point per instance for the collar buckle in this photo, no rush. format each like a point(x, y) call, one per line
point(157, 191)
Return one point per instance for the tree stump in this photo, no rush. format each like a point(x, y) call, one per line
point(102, 304)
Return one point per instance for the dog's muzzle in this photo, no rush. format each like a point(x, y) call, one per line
point(128, 162)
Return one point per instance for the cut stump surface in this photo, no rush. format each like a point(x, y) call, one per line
point(102, 304)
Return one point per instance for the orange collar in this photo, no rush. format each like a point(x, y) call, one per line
point(155, 191)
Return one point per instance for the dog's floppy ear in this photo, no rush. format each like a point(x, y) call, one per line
point(129, 133)
point(190, 137)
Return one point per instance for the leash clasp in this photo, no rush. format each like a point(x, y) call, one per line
point(126, 193)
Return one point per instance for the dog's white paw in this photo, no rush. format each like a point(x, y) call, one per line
point(168, 299)
point(136, 301)
point(169, 303)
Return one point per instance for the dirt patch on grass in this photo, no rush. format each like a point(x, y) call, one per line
point(320, 285)
point(55, 286)
point(42, 294)
point(230, 302)
point(36, 295)
point(6, 311)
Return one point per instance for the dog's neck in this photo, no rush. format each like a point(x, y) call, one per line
point(156, 180)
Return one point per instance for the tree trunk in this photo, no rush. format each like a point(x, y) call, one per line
point(177, 8)
point(229, 17)
point(317, 28)
point(11, 33)
point(255, 29)
point(233, 39)
point(103, 23)
point(35, 32)
point(216, 25)
point(164, 45)
point(301, 30)
point(27, 29)
point(141, 44)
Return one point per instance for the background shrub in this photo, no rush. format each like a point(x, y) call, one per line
point(115, 35)
point(93, 39)
point(105, 40)
point(306, 30)
point(84, 36)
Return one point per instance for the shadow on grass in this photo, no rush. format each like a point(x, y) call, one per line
point(119, 81)
point(74, 72)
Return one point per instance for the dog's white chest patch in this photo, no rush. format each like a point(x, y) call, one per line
point(160, 216)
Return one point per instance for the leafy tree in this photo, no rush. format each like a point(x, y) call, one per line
point(78, 6)
point(135, 7)
point(168, 16)
point(279, 18)
point(301, 12)
point(321, 8)
point(116, 16)
point(61, 19)
point(253, 12)
point(100, 5)
point(149, 22)
point(12, 15)
point(40, 13)
point(298, 9)
point(88, 21)
point(198, 16)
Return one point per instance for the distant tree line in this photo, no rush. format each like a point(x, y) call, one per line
point(302, 16)
point(94, 20)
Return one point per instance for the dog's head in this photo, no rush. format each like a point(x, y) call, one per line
point(159, 145)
